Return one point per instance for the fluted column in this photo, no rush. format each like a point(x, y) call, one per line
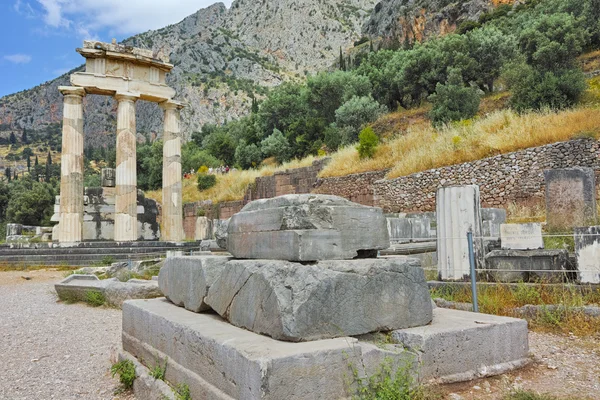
point(172, 208)
point(126, 174)
point(70, 228)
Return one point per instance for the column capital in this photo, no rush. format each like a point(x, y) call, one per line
point(171, 105)
point(120, 96)
point(72, 91)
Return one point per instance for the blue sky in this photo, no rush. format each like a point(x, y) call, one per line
point(40, 36)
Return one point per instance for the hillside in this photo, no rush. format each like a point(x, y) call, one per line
point(223, 57)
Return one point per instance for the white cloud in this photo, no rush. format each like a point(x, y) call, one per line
point(118, 16)
point(18, 58)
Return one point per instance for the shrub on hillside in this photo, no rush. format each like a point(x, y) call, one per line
point(247, 155)
point(533, 89)
point(367, 143)
point(276, 145)
point(453, 101)
point(206, 181)
point(355, 114)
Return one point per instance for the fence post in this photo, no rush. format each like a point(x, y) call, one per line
point(473, 277)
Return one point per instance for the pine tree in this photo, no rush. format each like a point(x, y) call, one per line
point(8, 174)
point(371, 46)
point(36, 161)
point(49, 159)
point(12, 138)
point(342, 60)
point(28, 163)
point(254, 105)
point(15, 177)
point(24, 136)
point(48, 172)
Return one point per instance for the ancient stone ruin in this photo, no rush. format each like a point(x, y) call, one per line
point(128, 74)
point(299, 306)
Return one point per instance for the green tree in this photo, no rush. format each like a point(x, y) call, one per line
point(149, 165)
point(27, 152)
point(367, 143)
point(24, 138)
point(36, 160)
point(193, 157)
point(535, 89)
point(355, 114)
point(492, 50)
point(28, 163)
point(221, 145)
point(8, 174)
point(276, 145)
point(12, 138)
point(247, 155)
point(31, 203)
point(453, 101)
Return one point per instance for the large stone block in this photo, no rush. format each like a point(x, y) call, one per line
point(521, 236)
point(529, 265)
point(570, 198)
point(297, 302)
point(306, 227)
point(220, 361)
point(460, 346)
point(185, 280)
point(587, 247)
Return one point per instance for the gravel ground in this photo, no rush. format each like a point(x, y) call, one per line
point(52, 350)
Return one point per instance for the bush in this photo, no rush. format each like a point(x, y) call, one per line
point(276, 146)
point(206, 181)
point(247, 155)
point(453, 101)
point(357, 112)
point(367, 143)
point(126, 371)
point(533, 89)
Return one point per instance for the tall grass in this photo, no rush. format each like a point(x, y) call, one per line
point(231, 186)
point(423, 147)
point(502, 299)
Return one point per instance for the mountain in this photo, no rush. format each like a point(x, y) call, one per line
point(223, 57)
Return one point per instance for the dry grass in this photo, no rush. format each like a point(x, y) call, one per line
point(523, 213)
point(231, 186)
point(590, 62)
point(424, 147)
point(502, 299)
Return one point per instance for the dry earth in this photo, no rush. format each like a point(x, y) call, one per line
point(52, 350)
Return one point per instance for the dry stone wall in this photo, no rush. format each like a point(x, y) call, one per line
point(502, 179)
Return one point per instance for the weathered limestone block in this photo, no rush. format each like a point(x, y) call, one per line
point(108, 177)
point(203, 229)
point(570, 198)
point(185, 280)
point(521, 236)
point(529, 265)
point(458, 212)
point(221, 227)
point(587, 247)
point(297, 302)
point(306, 228)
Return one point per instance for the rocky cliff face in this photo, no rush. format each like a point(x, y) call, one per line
point(222, 58)
point(418, 20)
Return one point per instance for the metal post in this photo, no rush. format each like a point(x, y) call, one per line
point(473, 278)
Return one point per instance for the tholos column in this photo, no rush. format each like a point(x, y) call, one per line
point(172, 208)
point(126, 176)
point(70, 227)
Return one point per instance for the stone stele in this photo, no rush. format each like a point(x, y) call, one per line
point(307, 227)
point(297, 302)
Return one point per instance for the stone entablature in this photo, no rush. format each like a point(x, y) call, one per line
point(129, 74)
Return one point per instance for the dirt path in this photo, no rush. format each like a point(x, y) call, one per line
point(51, 350)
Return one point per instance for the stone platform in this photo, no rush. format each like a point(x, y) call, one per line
point(220, 361)
point(88, 253)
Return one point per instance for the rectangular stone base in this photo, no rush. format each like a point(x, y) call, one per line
point(220, 361)
point(460, 345)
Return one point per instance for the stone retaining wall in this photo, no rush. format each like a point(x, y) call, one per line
point(502, 179)
point(355, 187)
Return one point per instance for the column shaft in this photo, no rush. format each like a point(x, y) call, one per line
point(70, 228)
point(126, 174)
point(172, 208)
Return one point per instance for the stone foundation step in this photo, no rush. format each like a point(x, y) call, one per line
point(77, 261)
point(99, 245)
point(83, 250)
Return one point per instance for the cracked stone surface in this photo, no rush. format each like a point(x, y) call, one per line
point(307, 227)
point(299, 302)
